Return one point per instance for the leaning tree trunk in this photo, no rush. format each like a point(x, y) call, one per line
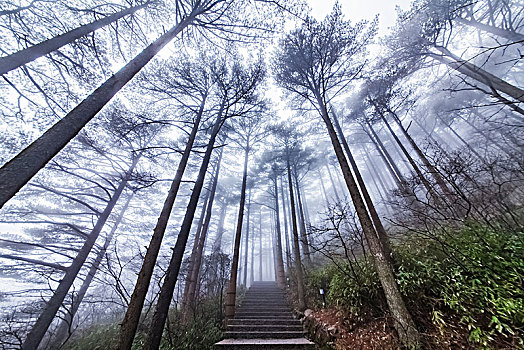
point(431, 169)
point(61, 334)
point(386, 157)
point(414, 165)
point(404, 324)
point(47, 315)
point(231, 293)
point(303, 231)
point(246, 248)
point(185, 303)
point(503, 33)
point(379, 228)
point(197, 259)
point(168, 287)
point(469, 69)
point(19, 170)
point(280, 274)
point(136, 303)
point(296, 246)
point(19, 58)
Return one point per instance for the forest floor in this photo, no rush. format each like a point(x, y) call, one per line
point(352, 333)
point(369, 333)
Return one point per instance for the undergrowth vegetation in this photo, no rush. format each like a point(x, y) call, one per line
point(464, 287)
point(198, 333)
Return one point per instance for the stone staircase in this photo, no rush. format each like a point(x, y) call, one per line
point(264, 321)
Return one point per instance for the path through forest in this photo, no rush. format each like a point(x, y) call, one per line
point(265, 321)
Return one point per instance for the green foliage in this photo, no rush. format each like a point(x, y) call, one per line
point(470, 279)
point(198, 333)
point(361, 294)
point(476, 274)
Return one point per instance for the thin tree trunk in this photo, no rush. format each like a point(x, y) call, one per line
point(185, 302)
point(197, 258)
point(19, 170)
point(333, 184)
point(136, 303)
point(217, 246)
point(232, 287)
point(286, 234)
point(477, 73)
point(65, 325)
point(386, 157)
point(431, 169)
point(252, 266)
point(166, 291)
point(53, 304)
point(260, 277)
point(404, 324)
point(246, 246)
point(296, 247)
point(280, 275)
point(303, 232)
point(414, 165)
point(19, 58)
point(379, 228)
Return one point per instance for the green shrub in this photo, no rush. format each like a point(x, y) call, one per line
point(472, 277)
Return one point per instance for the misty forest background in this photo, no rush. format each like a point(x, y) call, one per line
point(160, 156)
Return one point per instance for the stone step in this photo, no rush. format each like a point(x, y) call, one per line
point(265, 317)
point(239, 314)
point(265, 344)
point(264, 328)
point(243, 308)
point(265, 335)
point(261, 321)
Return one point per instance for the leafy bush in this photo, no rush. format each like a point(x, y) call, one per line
point(471, 277)
point(476, 274)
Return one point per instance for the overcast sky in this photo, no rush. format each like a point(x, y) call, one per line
point(362, 9)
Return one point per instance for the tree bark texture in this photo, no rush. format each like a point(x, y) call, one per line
point(168, 287)
point(136, 303)
point(19, 170)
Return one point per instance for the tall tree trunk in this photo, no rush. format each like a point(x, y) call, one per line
point(321, 180)
point(31, 53)
point(64, 329)
point(503, 33)
point(414, 165)
point(136, 303)
point(53, 304)
point(252, 265)
point(280, 274)
point(431, 169)
point(370, 164)
point(260, 276)
point(296, 247)
point(217, 246)
point(404, 324)
point(191, 259)
point(386, 157)
point(379, 228)
point(333, 184)
point(469, 69)
point(286, 233)
point(231, 293)
point(303, 230)
point(246, 246)
point(166, 291)
point(197, 258)
point(19, 170)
